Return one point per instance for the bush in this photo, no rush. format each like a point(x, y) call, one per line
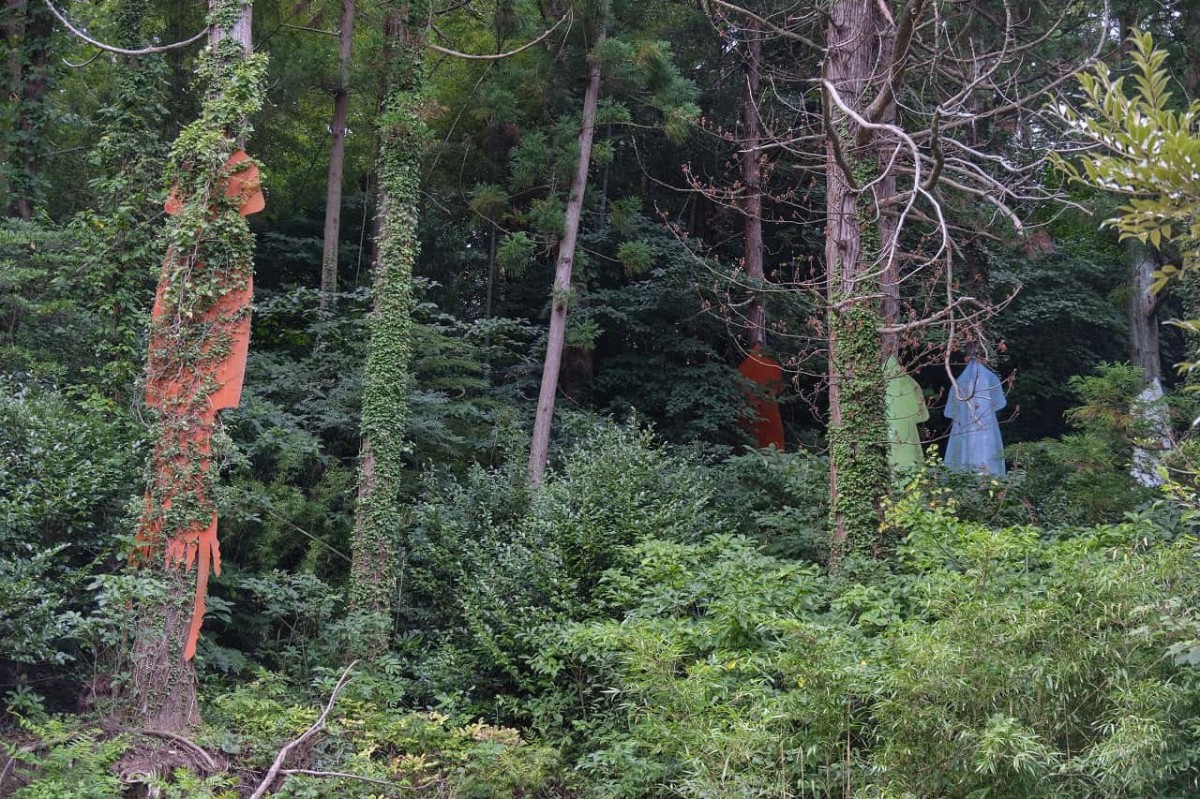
point(985, 661)
point(486, 564)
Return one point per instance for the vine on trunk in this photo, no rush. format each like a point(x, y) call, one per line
point(387, 378)
point(858, 445)
point(200, 326)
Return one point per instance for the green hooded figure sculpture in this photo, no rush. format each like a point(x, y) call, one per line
point(905, 410)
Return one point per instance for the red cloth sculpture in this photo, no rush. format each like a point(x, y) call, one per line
point(187, 401)
point(762, 371)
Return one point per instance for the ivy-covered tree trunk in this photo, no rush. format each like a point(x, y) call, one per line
point(387, 379)
point(756, 316)
point(28, 29)
point(198, 340)
point(560, 298)
point(337, 156)
point(858, 474)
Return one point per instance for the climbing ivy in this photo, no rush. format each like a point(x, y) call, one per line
point(201, 306)
point(387, 378)
point(858, 444)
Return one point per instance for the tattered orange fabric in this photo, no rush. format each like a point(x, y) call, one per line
point(187, 401)
point(767, 425)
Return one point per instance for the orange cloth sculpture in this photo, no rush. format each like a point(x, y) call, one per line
point(187, 392)
point(767, 425)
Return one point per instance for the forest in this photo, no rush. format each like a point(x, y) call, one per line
point(576, 399)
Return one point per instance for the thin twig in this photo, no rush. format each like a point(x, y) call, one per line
point(316, 727)
point(310, 30)
point(341, 775)
point(83, 64)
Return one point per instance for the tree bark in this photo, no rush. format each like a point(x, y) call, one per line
point(1143, 312)
point(560, 296)
point(889, 271)
point(756, 318)
point(337, 157)
point(858, 455)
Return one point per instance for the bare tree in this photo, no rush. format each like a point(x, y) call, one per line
point(924, 125)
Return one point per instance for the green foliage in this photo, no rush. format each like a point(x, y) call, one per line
point(636, 257)
point(989, 660)
point(1084, 477)
point(857, 443)
point(409, 751)
point(68, 762)
point(1068, 316)
point(65, 476)
point(1146, 151)
point(487, 566)
point(780, 499)
point(515, 252)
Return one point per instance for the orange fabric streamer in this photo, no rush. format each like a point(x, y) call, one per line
point(187, 401)
point(767, 425)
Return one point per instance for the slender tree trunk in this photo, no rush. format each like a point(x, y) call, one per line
point(752, 177)
point(1143, 312)
point(491, 284)
point(14, 29)
point(857, 434)
point(32, 34)
point(560, 296)
point(337, 157)
point(885, 188)
point(378, 518)
point(188, 382)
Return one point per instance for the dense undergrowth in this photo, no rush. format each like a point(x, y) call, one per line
point(649, 624)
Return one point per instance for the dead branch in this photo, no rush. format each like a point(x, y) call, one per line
point(343, 775)
point(317, 726)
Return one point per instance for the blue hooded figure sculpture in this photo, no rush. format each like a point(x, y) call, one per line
point(975, 444)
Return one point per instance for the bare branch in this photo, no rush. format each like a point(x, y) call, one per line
point(766, 23)
point(498, 56)
point(316, 727)
point(122, 50)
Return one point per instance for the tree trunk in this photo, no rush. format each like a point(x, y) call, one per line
point(14, 30)
point(378, 519)
point(491, 280)
point(560, 296)
point(337, 157)
point(1143, 312)
point(29, 60)
point(756, 318)
point(196, 361)
point(885, 188)
point(857, 433)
